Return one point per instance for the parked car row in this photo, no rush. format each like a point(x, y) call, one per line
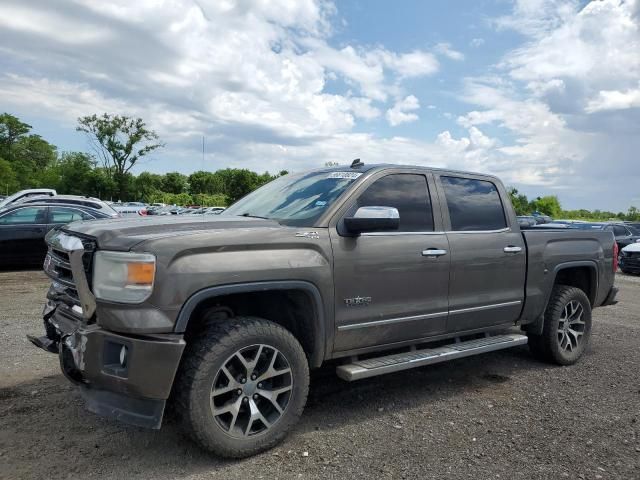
point(27, 216)
point(175, 210)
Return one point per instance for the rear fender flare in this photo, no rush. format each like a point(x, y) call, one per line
point(537, 326)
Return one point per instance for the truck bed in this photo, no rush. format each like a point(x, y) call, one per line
point(551, 250)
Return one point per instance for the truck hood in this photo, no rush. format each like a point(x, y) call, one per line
point(124, 233)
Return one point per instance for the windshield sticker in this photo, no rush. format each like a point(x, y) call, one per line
point(320, 203)
point(349, 175)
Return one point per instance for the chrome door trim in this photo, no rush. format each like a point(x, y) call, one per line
point(383, 234)
point(375, 323)
point(485, 307)
point(501, 230)
point(388, 321)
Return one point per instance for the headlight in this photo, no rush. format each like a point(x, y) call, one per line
point(124, 277)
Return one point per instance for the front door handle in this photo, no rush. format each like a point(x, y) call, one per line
point(433, 252)
point(512, 249)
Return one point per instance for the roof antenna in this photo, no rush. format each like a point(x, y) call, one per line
point(356, 163)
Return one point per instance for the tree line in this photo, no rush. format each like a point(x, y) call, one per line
point(29, 161)
point(550, 205)
point(119, 142)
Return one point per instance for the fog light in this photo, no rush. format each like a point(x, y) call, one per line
point(123, 356)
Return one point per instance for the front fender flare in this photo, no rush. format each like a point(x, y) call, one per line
point(319, 330)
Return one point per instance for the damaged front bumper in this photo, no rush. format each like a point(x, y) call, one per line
point(128, 378)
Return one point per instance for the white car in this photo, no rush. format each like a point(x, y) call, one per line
point(130, 209)
point(24, 194)
point(629, 259)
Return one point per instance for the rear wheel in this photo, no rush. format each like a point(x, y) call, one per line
point(567, 327)
point(242, 386)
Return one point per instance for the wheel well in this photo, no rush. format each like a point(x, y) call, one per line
point(583, 278)
point(293, 309)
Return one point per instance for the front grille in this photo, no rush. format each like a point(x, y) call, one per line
point(58, 267)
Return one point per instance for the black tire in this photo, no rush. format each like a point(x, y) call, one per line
point(553, 345)
point(212, 348)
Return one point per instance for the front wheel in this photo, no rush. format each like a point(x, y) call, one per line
point(567, 327)
point(242, 386)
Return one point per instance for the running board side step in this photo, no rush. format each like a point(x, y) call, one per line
point(403, 361)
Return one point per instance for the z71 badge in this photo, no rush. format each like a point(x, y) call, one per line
point(358, 301)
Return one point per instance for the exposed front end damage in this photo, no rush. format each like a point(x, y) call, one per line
point(124, 377)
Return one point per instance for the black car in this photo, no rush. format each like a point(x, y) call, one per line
point(24, 226)
point(623, 233)
point(634, 227)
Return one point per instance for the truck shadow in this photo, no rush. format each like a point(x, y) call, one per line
point(46, 429)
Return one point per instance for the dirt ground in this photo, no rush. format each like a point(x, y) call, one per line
point(501, 415)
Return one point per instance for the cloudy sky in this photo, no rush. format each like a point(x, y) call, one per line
point(543, 93)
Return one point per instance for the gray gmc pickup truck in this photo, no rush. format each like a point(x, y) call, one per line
point(376, 268)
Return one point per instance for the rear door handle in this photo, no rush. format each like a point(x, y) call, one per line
point(433, 252)
point(512, 249)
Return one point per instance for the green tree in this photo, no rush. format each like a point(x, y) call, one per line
point(174, 182)
point(548, 205)
point(29, 155)
point(633, 214)
point(520, 201)
point(148, 184)
point(119, 141)
point(238, 182)
point(101, 184)
point(74, 173)
point(8, 179)
point(205, 182)
point(11, 129)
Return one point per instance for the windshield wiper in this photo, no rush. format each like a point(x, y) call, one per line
point(247, 214)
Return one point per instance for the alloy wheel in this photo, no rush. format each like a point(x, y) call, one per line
point(251, 391)
point(571, 326)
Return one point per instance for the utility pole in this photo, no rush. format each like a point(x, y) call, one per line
point(203, 152)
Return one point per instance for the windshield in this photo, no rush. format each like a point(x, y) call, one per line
point(295, 200)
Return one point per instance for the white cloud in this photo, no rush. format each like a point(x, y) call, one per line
point(401, 112)
point(614, 100)
point(269, 88)
point(232, 68)
point(564, 104)
point(447, 50)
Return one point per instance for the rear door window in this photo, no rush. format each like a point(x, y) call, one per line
point(474, 205)
point(620, 231)
point(24, 216)
point(406, 192)
point(67, 215)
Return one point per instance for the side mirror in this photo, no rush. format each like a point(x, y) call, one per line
point(372, 219)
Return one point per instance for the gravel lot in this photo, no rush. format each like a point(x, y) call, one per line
point(501, 415)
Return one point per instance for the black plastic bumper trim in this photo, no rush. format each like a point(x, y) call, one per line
point(141, 412)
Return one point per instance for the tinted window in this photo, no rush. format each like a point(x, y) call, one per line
point(406, 192)
point(473, 204)
point(295, 200)
point(620, 231)
point(67, 215)
point(24, 216)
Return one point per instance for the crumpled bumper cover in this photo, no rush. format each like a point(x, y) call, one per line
point(134, 391)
